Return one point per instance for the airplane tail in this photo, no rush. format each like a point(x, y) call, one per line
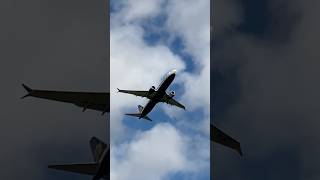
point(97, 148)
point(140, 108)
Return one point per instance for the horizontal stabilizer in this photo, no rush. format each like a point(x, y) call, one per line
point(89, 169)
point(220, 137)
point(138, 115)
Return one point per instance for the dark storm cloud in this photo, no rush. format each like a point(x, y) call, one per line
point(226, 15)
point(59, 45)
point(273, 109)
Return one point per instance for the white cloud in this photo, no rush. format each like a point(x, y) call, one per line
point(136, 10)
point(151, 155)
point(191, 21)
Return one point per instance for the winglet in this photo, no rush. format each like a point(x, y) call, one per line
point(28, 89)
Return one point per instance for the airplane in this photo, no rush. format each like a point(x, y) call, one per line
point(98, 169)
point(86, 100)
point(155, 95)
point(216, 135)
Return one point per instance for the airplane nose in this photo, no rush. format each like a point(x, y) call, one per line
point(172, 72)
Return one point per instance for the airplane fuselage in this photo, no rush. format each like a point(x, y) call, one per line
point(159, 94)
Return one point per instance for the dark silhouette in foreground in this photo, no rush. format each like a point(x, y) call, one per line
point(216, 135)
point(87, 100)
point(99, 168)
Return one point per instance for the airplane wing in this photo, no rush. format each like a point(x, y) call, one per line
point(86, 100)
point(220, 137)
point(166, 99)
point(169, 100)
point(89, 169)
point(137, 93)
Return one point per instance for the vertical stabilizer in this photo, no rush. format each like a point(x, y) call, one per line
point(140, 108)
point(97, 148)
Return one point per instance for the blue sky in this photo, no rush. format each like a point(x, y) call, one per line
point(148, 39)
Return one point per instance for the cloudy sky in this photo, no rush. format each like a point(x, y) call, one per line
point(148, 39)
point(265, 70)
point(265, 90)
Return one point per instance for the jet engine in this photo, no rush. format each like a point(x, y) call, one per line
point(172, 94)
point(152, 89)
